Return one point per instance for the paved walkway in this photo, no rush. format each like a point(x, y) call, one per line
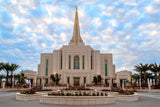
point(10, 101)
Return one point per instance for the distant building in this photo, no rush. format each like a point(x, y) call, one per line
point(123, 78)
point(30, 75)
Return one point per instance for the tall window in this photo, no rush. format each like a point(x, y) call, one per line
point(83, 62)
point(69, 62)
point(91, 62)
point(76, 62)
point(84, 80)
point(46, 67)
point(61, 61)
point(68, 81)
point(105, 67)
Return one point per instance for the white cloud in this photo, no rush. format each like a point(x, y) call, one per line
point(149, 26)
point(88, 1)
point(135, 12)
point(109, 11)
point(151, 10)
point(157, 1)
point(65, 22)
point(121, 10)
point(130, 2)
point(113, 22)
point(127, 37)
point(11, 41)
point(30, 3)
point(97, 22)
point(51, 9)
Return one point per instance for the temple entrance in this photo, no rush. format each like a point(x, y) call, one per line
point(76, 81)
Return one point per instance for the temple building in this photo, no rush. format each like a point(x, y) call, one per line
point(76, 62)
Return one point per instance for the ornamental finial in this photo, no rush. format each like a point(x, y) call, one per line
point(76, 8)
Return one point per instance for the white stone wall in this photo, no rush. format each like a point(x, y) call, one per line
point(77, 100)
point(98, 63)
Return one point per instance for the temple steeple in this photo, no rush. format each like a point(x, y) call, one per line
point(76, 38)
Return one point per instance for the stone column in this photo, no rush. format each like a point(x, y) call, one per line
point(110, 83)
point(80, 62)
point(84, 85)
point(3, 84)
point(118, 82)
point(123, 84)
point(67, 85)
point(72, 62)
point(42, 83)
point(30, 84)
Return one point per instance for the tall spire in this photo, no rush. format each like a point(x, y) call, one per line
point(76, 38)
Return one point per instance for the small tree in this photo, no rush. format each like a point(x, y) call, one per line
point(97, 79)
point(55, 78)
point(22, 78)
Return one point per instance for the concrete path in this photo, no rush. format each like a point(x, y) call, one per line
point(10, 101)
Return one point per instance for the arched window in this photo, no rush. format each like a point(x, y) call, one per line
point(76, 62)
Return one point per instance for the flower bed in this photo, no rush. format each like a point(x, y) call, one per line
point(28, 95)
point(127, 95)
point(78, 93)
point(126, 92)
point(76, 89)
point(29, 91)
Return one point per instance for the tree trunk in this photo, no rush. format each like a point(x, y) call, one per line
point(155, 79)
point(11, 78)
point(7, 79)
point(141, 78)
point(145, 77)
point(152, 81)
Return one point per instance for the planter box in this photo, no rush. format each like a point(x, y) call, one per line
point(127, 97)
point(77, 100)
point(28, 97)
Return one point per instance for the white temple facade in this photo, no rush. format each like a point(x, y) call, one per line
point(76, 62)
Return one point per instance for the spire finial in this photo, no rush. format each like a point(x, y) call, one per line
point(76, 8)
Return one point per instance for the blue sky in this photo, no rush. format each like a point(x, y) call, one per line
point(129, 29)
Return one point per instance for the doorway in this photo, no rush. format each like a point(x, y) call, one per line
point(76, 81)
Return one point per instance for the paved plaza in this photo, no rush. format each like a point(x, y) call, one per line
point(10, 101)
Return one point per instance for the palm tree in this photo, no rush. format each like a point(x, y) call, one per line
point(1, 77)
point(149, 76)
point(155, 69)
point(135, 77)
point(1, 66)
point(142, 69)
point(13, 67)
point(6, 68)
point(16, 77)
